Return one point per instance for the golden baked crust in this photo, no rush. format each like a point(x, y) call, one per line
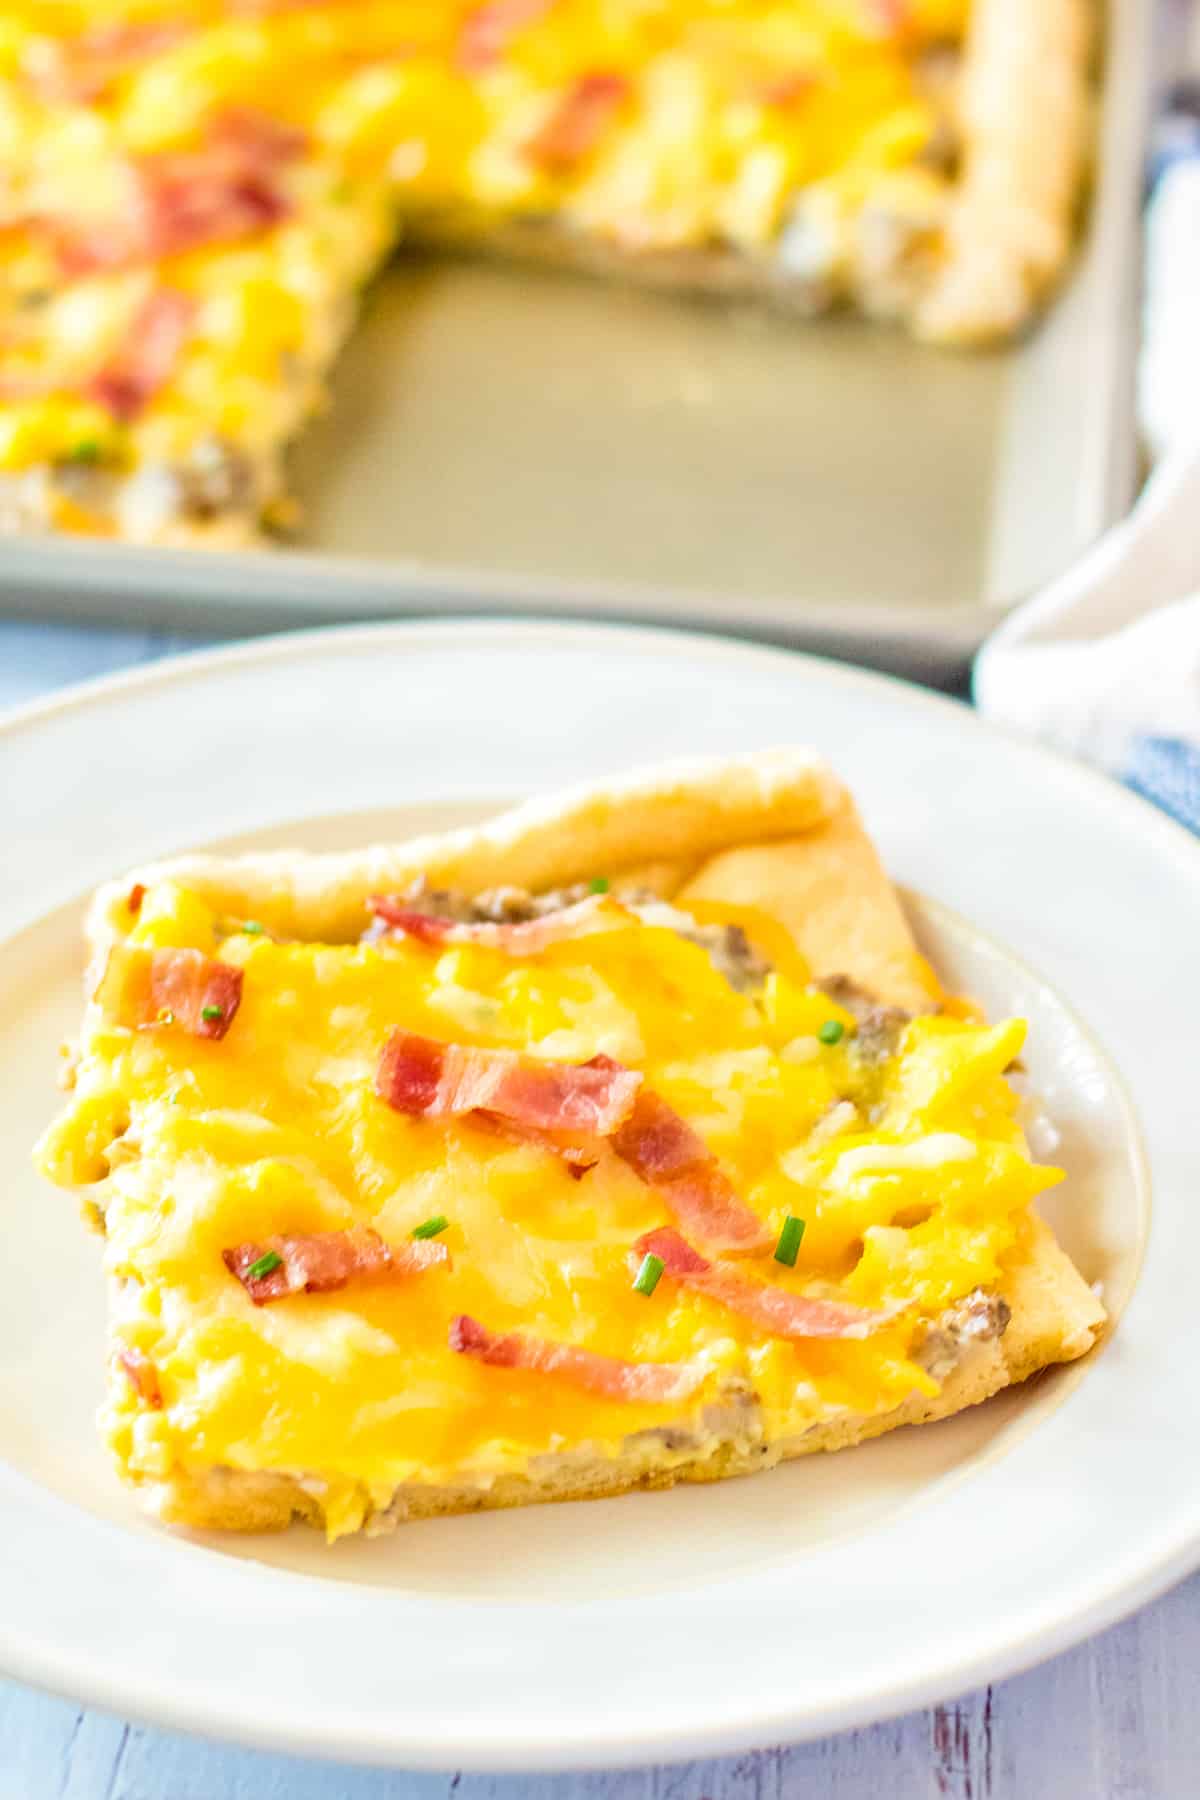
point(775, 830)
point(682, 827)
point(1056, 1318)
point(675, 813)
point(1026, 117)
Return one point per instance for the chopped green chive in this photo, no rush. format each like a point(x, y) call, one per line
point(267, 1263)
point(599, 886)
point(212, 1012)
point(649, 1275)
point(431, 1227)
point(87, 450)
point(252, 928)
point(788, 1247)
point(832, 1031)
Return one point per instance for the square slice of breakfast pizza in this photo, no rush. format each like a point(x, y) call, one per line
point(622, 1140)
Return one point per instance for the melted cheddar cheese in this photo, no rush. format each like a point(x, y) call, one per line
point(185, 1147)
point(757, 126)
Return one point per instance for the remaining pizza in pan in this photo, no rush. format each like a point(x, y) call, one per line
point(193, 193)
point(623, 1140)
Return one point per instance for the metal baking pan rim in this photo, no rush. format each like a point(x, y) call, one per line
point(211, 590)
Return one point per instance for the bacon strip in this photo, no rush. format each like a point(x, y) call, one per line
point(142, 1374)
point(650, 1384)
point(226, 190)
point(319, 1261)
point(586, 918)
point(142, 987)
point(429, 1080)
point(148, 358)
point(663, 1151)
point(775, 1310)
point(488, 30)
point(578, 122)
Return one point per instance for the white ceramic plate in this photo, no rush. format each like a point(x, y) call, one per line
point(831, 1592)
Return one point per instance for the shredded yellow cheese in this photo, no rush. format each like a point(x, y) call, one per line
point(190, 1146)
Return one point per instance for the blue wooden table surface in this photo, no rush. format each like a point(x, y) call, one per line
point(1115, 1719)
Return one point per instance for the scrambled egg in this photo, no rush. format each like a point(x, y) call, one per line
point(908, 1169)
point(763, 127)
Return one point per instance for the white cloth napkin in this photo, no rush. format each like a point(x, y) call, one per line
point(1105, 662)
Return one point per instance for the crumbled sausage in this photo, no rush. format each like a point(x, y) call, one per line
point(495, 906)
point(879, 1027)
point(217, 478)
point(513, 906)
point(979, 1317)
point(730, 950)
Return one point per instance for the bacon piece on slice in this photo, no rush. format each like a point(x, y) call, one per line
point(143, 987)
point(649, 1384)
point(429, 1080)
point(319, 1261)
point(775, 1310)
point(577, 124)
point(663, 1151)
point(528, 937)
point(201, 993)
point(147, 359)
point(488, 30)
point(141, 1373)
